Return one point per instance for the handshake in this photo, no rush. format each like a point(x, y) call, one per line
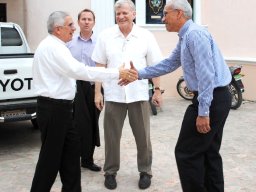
point(127, 76)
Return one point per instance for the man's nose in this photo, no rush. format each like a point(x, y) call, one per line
point(163, 19)
point(121, 15)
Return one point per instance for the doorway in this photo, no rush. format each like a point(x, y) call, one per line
point(3, 12)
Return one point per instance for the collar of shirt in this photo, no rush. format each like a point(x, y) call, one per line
point(92, 38)
point(57, 39)
point(133, 33)
point(184, 28)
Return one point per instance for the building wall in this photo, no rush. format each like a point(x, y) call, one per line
point(231, 23)
point(15, 11)
point(233, 26)
point(38, 11)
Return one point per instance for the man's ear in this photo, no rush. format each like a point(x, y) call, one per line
point(180, 14)
point(56, 31)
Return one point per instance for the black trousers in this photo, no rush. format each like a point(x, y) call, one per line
point(86, 116)
point(197, 155)
point(60, 148)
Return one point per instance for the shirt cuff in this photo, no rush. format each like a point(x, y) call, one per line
point(139, 75)
point(203, 111)
point(142, 74)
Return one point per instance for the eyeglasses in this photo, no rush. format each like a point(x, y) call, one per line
point(70, 25)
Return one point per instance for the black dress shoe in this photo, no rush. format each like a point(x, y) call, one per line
point(92, 166)
point(110, 181)
point(145, 180)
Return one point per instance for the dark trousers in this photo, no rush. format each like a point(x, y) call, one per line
point(86, 117)
point(60, 148)
point(197, 155)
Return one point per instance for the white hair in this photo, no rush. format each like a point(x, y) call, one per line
point(120, 3)
point(181, 5)
point(56, 18)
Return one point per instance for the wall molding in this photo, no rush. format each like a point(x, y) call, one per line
point(241, 60)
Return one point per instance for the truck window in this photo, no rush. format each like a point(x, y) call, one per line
point(10, 37)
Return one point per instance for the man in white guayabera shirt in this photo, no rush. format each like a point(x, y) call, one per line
point(120, 44)
point(54, 74)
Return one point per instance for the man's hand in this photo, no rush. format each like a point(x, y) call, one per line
point(127, 76)
point(98, 100)
point(157, 98)
point(203, 124)
point(98, 97)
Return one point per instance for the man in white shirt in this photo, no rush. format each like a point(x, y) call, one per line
point(54, 74)
point(119, 45)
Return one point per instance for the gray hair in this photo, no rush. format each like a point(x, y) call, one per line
point(181, 5)
point(120, 3)
point(56, 18)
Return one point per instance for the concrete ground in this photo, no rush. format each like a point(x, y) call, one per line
point(19, 147)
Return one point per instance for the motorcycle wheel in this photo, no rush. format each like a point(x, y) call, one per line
point(236, 95)
point(183, 90)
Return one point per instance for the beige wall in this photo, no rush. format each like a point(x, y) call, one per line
point(249, 81)
point(37, 13)
point(233, 26)
point(15, 11)
point(231, 23)
point(249, 71)
point(32, 15)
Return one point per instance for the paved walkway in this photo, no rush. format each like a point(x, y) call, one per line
point(17, 160)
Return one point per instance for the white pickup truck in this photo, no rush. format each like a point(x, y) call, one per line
point(17, 98)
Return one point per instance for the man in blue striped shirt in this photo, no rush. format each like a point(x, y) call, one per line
point(207, 75)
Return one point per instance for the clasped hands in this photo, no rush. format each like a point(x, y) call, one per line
point(127, 76)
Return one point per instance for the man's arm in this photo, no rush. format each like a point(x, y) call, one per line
point(201, 50)
point(125, 75)
point(98, 97)
point(157, 96)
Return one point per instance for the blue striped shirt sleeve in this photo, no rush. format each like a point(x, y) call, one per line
point(163, 67)
point(199, 45)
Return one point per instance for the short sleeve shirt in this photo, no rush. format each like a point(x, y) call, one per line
point(113, 50)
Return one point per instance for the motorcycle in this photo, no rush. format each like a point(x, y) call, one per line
point(236, 87)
